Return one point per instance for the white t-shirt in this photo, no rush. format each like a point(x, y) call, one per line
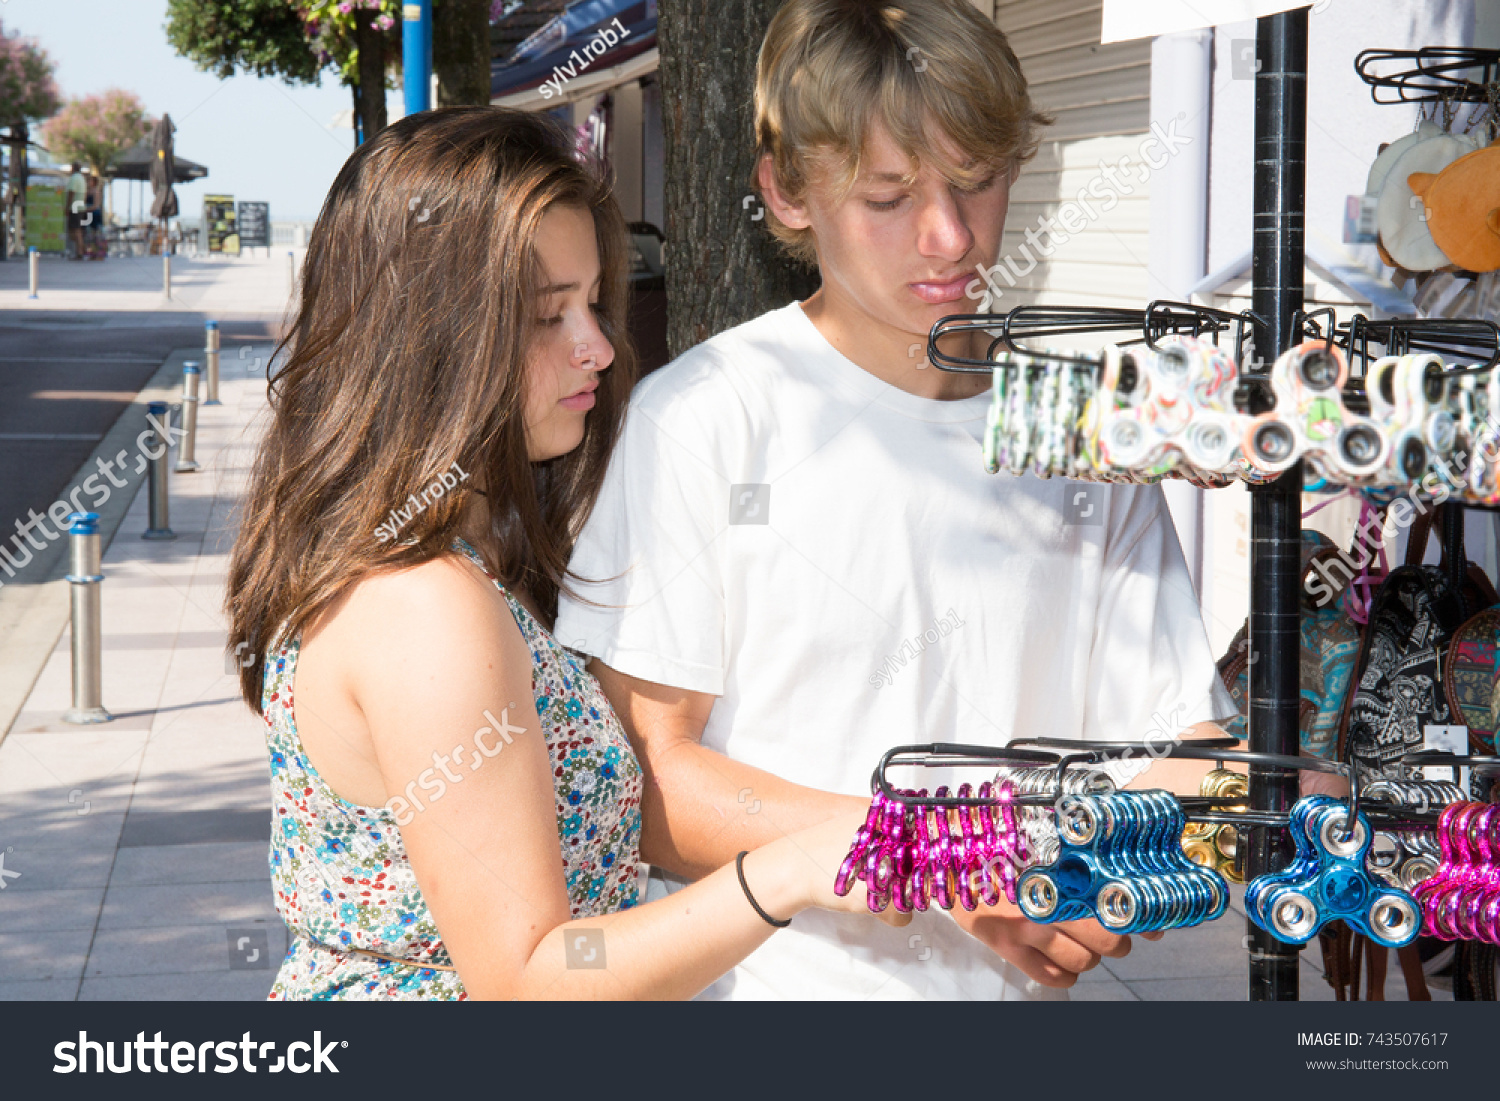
point(825, 554)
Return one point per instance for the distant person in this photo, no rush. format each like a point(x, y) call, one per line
point(457, 808)
point(93, 218)
point(77, 197)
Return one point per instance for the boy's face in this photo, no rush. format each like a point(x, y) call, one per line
point(902, 254)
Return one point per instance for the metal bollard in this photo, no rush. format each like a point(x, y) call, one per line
point(291, 268)
point(83, 581)
point(34, 257)
point(156, 473)
point(187, 460)
point(211, 354)
point(166, 274)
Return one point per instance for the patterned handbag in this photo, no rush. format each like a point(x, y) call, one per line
point(1400, 687)
point(1330, 643)
point(1472, 677)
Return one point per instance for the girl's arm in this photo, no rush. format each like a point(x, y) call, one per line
point(434, 659)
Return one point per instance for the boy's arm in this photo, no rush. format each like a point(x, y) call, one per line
point(699, 809)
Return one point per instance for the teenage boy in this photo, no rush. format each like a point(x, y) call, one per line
point(797, 560)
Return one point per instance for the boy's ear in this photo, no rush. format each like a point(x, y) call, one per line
point(790, 214)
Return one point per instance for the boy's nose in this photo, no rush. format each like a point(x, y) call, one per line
point(943, 230)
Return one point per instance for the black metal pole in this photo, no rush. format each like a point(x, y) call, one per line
point(1280, 185)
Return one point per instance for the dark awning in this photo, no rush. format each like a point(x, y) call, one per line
point(135, 164)
point(562, 49)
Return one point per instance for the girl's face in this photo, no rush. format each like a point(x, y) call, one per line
point(570, 350)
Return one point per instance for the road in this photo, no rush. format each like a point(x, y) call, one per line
point(64, 379)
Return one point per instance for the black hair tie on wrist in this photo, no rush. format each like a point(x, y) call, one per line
point(739, 866)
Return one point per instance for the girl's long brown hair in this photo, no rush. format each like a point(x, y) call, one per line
point(407, 355)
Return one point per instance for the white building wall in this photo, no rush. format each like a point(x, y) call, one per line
point(1100, 98)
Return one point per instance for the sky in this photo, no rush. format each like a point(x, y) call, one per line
point(261, 139)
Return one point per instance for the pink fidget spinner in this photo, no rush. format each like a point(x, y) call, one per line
point(1461, 900)
point(912, 854)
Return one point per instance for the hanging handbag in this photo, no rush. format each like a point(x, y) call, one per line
point(1330, 644)
point(1399, 689)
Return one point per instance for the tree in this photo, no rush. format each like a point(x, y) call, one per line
point(362, 40)
point(461, 51)
point(264, 37)
point(723, 267)
point(95, 130)
point(28, 93)
point(296, 40)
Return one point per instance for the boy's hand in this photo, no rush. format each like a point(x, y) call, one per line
point(1323, 783)
point(1053, 955)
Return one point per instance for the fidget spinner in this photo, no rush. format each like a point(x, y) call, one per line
point(1216, 846)
point(912, 854)
point(1036, 823)
point(1406, 858)
point(1311, 421)
point(1036, 407)
point(1461, 899)
point(1481, 423)
point(1327, 880)
point(1408, 395)
point(1168, 409)
point(1120, 861)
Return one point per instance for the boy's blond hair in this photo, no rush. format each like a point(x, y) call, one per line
point(924, 67)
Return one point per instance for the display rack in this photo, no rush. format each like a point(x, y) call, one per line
point(1433, 74)
point(1275, 322)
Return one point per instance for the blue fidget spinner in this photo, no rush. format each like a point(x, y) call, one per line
point(1327, 880)
point(1120, 860)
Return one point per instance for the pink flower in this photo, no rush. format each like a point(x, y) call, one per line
point(385, 22)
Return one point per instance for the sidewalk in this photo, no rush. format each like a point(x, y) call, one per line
point(222, 287)
point(135, 851)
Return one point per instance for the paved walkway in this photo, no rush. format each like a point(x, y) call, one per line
point(223, 287)
point(135, 851)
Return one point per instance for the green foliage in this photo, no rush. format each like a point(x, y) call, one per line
point(291, 39)
point(95, 130)
point(264, 37)
point(27, 90)
point(330, 25)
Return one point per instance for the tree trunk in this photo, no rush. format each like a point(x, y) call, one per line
point(16, 222)
point(722, 266)
point(461, 52)
point(369, 41)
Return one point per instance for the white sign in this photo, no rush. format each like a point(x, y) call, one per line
point(1125, 19)
point(1446, 739)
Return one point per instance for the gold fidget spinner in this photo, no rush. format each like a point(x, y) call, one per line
point(1215, 846)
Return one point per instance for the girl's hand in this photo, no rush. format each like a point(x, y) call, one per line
point(818, 851)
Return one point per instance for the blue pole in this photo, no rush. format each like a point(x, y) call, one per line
point(416, 54)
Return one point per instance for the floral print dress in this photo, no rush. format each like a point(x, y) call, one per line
point(341, 874)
